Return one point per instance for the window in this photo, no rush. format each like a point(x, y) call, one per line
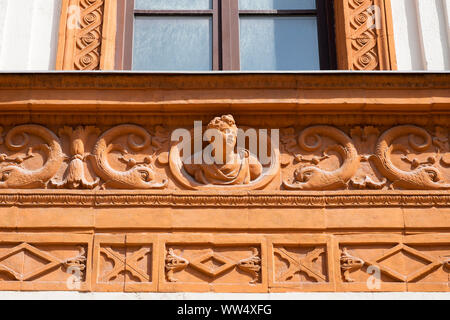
point(202, 35)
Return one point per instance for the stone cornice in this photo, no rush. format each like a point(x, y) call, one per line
point(128, 93)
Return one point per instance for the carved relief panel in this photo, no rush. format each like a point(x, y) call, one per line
point(87, 35)
point(45, 262)
point(404, 157)
point(313, 158)
point(237, 169)
point(394, 263)
point(124, 263)
point(213, 263)
point(203, 262)
point(300, 263)
point(364, 35)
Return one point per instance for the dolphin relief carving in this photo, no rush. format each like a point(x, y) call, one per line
point(314, 178)
point(138, 174)
point(13, 173)
point(425, 175)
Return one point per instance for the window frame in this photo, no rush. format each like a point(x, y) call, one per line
point(225, 16)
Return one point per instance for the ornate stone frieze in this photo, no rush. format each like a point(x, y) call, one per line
point(404, 157)
point(308, 159)
point(29, 143)
point(202, 262)
point(48, 198)
point(225, 264)
point(385, 261)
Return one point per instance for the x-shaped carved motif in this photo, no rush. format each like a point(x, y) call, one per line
point(301, 265)
point(128, 263)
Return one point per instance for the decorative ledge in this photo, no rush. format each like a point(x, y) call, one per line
point(47, 198)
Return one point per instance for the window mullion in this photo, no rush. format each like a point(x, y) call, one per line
point(325, 27)
point(216, 50)
point(230, 34)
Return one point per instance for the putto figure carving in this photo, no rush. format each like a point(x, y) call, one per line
point(229, 167)
point(225, 163)
point(13, 173)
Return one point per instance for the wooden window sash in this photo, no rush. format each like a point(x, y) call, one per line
point(97, 46)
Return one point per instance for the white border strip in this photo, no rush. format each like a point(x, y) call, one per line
point(65, 295)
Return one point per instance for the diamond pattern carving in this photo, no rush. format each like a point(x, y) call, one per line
point(200, 263)
point(24, 275)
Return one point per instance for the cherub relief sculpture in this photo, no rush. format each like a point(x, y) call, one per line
point(312, 177)
point(232, 167)
point(13, 172)
point(235, 168)
point(138, 174)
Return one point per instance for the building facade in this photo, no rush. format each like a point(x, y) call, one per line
point(335, 113)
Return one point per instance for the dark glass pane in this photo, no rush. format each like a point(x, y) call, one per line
point(173, 4)
point(172, 43)
point(279, 43)
point(277, 4)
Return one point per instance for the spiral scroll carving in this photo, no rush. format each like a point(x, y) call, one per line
point(89, 37)
point(364, 43)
